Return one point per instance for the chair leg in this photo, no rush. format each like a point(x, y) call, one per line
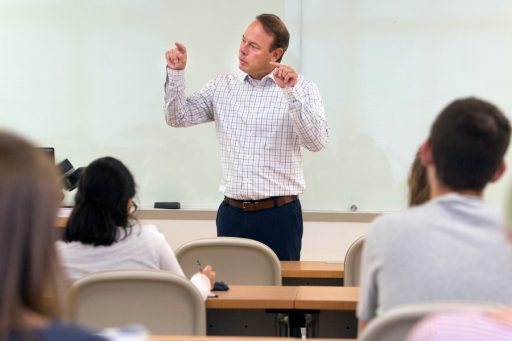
point(311, 325)
point(283, 325)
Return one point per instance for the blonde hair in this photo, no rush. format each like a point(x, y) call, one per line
point(419, 189)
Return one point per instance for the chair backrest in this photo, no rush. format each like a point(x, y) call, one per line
point(395, 324)
point(163, 302)
point(235, 260)
point(353, 263)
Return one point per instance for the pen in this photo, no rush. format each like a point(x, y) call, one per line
point(199, 265)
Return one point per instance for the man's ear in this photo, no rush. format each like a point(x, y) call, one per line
point(499, 172)
point(277, 53)
point(426, 154)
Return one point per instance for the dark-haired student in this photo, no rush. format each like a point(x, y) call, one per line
point(452, 247)
point(29, 270)
point(101, 235)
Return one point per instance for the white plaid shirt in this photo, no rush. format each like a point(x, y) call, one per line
point(260, 129)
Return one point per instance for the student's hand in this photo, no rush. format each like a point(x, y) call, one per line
point(285, 76)
point(177, 57)
point(208, 271)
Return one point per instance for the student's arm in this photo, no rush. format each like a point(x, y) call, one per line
point(204, 281)
point(370, 267)
point(166, 258)
point(168, 262)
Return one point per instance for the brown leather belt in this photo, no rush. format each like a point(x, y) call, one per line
point(258, 205)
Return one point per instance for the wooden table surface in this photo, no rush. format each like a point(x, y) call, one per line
point(327, 298)
point(254, 297)
point(285, 297)
point(312, 269)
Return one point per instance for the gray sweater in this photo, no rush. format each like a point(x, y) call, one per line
point(451, 248)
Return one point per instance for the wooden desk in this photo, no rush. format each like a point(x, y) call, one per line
point(256, 310)
point(329, 311)
point(311, 269)
point(61, 222)
point(284, 297)
point(225, 338)
point(250, 310)
point(254, 297)
point(327, 298)
point(312, 273)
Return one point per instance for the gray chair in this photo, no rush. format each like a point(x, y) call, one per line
point(353, 263)
point(161, 301)
point(235, 260)
point(395, 324)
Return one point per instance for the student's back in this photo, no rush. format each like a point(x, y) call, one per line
point(450, 248)
point(144, 248)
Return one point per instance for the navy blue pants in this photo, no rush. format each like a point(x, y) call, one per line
point(280, 228)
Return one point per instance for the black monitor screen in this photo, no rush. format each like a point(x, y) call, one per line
point(50, 151)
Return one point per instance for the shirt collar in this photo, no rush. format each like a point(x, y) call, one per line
point(242, 76)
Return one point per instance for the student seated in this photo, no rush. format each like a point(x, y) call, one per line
point(495, 325)
point(419, 190)
point(451, 247)
point(29, 199)
point(102, 235)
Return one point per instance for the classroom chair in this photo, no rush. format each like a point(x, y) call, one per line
point(395, 324)
point(235, 260)
point(353, 263)
point(163, 302)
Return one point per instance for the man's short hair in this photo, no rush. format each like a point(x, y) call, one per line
point(468, 139)
point(274, 26)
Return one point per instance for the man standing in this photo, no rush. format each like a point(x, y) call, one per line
point(452, 247)
point(263, 115)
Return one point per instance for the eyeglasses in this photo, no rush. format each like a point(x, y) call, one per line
point(133, 207)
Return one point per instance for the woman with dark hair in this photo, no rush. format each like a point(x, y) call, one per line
point(102, 234)
point(29, 199)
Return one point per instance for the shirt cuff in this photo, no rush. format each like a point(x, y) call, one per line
point(202, 282)
point(295, 93)
point(175, 76)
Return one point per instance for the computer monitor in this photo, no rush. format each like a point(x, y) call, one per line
point(50, 151)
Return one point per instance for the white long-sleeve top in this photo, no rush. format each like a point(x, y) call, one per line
point(144, 248)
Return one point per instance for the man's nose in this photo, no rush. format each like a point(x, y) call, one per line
point(243, 49)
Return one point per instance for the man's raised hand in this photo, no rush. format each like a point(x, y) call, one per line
point(177, 57)
point(284, 75)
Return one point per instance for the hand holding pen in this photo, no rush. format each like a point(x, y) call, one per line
point(208, 272)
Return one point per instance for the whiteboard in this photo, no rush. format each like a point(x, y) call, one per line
point(86, 77)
